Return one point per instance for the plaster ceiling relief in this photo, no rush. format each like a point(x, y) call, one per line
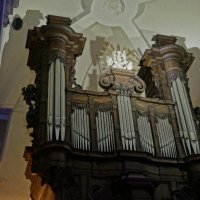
point(111, 13)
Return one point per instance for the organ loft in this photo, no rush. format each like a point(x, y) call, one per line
point(116, 144)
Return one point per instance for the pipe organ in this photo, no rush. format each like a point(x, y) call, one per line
point(113, 144)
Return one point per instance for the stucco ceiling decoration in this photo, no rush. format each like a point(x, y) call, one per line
point(120, 13)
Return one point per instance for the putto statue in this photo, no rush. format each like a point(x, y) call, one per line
point(121, 59)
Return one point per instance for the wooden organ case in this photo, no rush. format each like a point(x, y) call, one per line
point(113, 144)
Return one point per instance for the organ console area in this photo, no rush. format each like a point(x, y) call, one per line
point(114, 144)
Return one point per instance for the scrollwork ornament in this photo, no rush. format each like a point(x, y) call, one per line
point(122, 81)
point(139, 85)
point(106, 81)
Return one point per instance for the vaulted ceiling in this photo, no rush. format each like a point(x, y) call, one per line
point(129, 23)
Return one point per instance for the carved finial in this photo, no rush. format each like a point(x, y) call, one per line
point(162, 40)
point(51, 19)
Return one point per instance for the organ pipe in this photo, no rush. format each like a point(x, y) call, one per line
point(166, 137)
point(145, 134)
point(105, 130)
point(184, 117)
point(80, 128)
point(56, 101)
point(126, 123)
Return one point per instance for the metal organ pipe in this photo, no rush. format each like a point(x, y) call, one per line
point(80, 128)
point(88, 130)
point(160, 138)
point(166, 137)
point(131, 123)
point(121, 121)
point(179, 122)
point(188, 114)
point(126, 123)
point(56, 101)
point(50, 109)
point(145, 134)
point(184, 117)
point(188, 106)
point(144, 118)
point(62, 100)
point(111, 130)
point(105, 130)
point(185, 109)
point(85, 129)
point(81, 137)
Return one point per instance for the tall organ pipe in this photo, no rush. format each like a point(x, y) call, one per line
point(56, 101)
point(184, 115)
point(179, 122)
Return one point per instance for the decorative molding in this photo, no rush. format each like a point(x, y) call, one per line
point(104, 108)
point(57, 55)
